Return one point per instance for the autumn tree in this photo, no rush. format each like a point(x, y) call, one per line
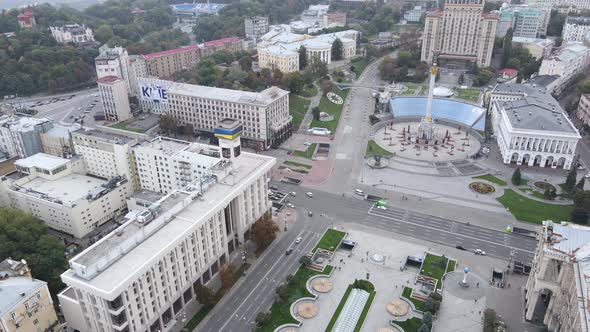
point(167, 123)
point(227, 276)
point(264, 231)
point(204, 295)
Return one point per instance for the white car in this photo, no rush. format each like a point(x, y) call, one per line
point(479, 252)
point(381, 207)
point(298, 240)
point(293, 193)
point(309, 194)
point(291, 205)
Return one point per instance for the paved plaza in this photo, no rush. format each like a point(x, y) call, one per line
point(399, 139)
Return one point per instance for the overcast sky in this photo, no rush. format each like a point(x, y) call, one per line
point(5, 4)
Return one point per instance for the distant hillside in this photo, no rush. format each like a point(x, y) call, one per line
point(78, 4)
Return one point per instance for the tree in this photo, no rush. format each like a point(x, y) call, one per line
point(549, 194)
point(245, 63)
point(293, 82)
point(263, 318)
point(305, 260)
point(326, 86)
point(282, 292)
point(204, 295)
point(507, 46)
point(291, 280)
point(423, 328)
point(427, 319)
point(429, 305)
point(188, 130)
point(516, 177)
point(264, 231)
point(206, 74)
point(103, 33)
point(570, 180)
point(22, 236)
point(556, 22)
point(583, 86)
point(582, 199)
point(227, 276)
point(167, 123)
point(461, 79)
point(337, 49)
point(581, 183)
point(316, 113)
point(489, 320)
point(579, 216)
point(302, 57)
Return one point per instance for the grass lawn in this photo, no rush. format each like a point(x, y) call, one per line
point(333, 109)
point(491, 178)
point(374, 148)
point(467, 94)
point(330, 240)
point(338, 309)
point(410, 325)
point(408, 92)
point(434, 268)
point(451, 266)
point(280, 312)
point(307, 153)
point(123, 126)
point(309, 91)
point(526, 209)
point(292, 163)
point(297, 109)
point(359, 65)
point(418, 304)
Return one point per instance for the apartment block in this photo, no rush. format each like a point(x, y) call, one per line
point(166, 63)
point(255, 26)
point(566, 62)
point(229, 44)
point(21, 136)
point(114, 62)
point(115, 101)
point(575, 29)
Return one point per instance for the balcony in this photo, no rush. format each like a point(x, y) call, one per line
point(116, 306)
point(119, 322)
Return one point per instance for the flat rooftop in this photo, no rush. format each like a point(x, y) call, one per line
point(262, 98)
point(121, 139)
point(68, 188)
point(12, 288)
point(167, 146)
point(183, 213)
point(42, 160)
point(148, 195)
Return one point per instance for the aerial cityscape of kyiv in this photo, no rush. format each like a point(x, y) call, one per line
point(294, 166)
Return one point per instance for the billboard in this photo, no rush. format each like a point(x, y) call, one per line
point(153, 90)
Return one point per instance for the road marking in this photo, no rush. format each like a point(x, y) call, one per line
point(443, 231)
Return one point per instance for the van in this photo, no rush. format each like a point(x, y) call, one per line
point(359, 192)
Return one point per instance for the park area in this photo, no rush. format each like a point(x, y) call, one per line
point(297, 109)
point(526, 209)
point(332, 109)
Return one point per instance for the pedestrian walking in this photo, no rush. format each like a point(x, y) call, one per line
point(478, 285)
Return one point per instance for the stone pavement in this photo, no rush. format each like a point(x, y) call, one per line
point(462, 308)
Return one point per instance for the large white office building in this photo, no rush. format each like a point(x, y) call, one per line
point(526, 21)
point(531, 128)
point(57, 191)
point(142, 275)
point(105, 154)
point(115, 101)
point(165, 164)
point(567, 62)
point(152, 94)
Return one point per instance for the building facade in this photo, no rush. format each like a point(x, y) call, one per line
point(21, 136)
point(414, 15)
point(141, 276)
point(114, 62)
point(26, 19)
point(583, 111)
point(531, 128)
point(166, 63)
point(460, 35)
point(567, 62)
point(137, 69)
point(255, 27)
point(153, 95)
point(279, 57)
point(526, 21)
point(559, 278)
point(538, 48)
point(563, 6)
point(26, 303)
point(57, 141)
point(115, 101)
point(229, 44)
point(57, 191)
point(106, 155)
point(73, 33)
point(575, 29)
point(265, 115)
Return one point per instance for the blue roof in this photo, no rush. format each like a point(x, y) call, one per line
point(465, 113)
point(194, 7)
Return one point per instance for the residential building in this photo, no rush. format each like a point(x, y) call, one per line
point(335, 19)
point(583, 112)
point(507, 75)
point(229, 44)
point(57, 191)
point(73, 33)
point(21, 136)
point(26, 19)
point(560, 278)
point(265, 114)
point(575, 29)
point(314, 15)
point(538, 48)
point(106, 155)
point(165, 164)
point(279, 47)
point(143, 275)
point(564, 6)
point(567, 62)
point(460, 35)
point(114, 62)
point(255, 27)
point(188, 12)
point(137, 69)
point(57, 141)
point(166, 63)
point(26, 303)
point(153, 95)
point(526, 21)
point(531, 128)
point(115, 102)
point(414, 15)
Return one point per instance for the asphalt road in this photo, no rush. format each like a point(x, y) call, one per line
point(256, 292)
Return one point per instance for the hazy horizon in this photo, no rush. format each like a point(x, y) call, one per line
point(79, 4)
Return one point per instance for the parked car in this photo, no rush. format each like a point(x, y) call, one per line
point(309, 213)
point(309, 194)
point(359, 192)
point(291, 205)
point(293, 193)
point(289, 251)
point(479, 252)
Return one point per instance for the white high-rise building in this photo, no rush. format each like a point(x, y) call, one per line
point(460, 34)
point(141, 276)
point(115, 101)
point(115, 62)
point(21, 136)
point(57, 191)
point(137, 69)
point(255, 27)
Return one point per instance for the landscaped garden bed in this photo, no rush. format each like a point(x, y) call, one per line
point(482, 188)
point(330, 240)
point(358, 284)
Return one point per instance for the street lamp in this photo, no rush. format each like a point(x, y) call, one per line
point(285, 224)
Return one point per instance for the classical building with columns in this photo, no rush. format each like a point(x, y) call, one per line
point(531, 128)
point(144, 275)
point(558, 289)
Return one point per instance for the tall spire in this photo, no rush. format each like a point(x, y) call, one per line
point(426, 127)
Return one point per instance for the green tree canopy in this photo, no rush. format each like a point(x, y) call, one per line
point(337, 49)
point(302, 57)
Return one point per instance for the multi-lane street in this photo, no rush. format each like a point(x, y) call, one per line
point(255, 293)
